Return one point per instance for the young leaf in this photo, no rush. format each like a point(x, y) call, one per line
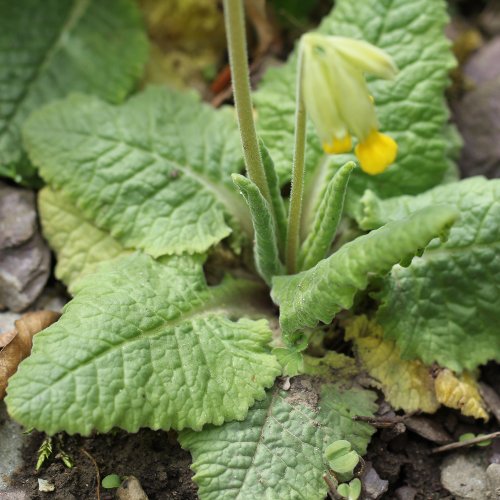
point(341, 457)
point(412, 108)
point(79, 244)
point(266, 252)
point(445, 307)
point(278, 451)
point(146, 344)
point(51, 48)
point(326, 220)
point(154, 173)
point(280, 215)
point(321, 292)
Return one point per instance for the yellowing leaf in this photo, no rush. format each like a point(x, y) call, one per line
point(406, 384)
point(460, 392)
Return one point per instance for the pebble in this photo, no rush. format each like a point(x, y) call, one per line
point(464, 476)
point(45, 486)
point(373, 486)
point(24, 255)
point(131, 489)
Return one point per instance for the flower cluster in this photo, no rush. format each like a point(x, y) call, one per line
point(337, 99)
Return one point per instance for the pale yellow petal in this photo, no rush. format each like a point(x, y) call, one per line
point(460, 392)
point(407, 385)
point(365, 56)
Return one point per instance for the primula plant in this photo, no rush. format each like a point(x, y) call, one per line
point(201, 295)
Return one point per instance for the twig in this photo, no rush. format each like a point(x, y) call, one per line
point(383, 422)
point(332, 490)
point(98, 474)
point(463, 444)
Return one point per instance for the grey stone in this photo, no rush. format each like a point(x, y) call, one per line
point(374, 487)
point(11, 441)
point(478, 119)
point(7, 321)
point(45, 486)
point(493, 474)
point(483, 66)
point(13, 495)
point(464, 476)
point(405, 493)
point(24, 256)
point(131, 489)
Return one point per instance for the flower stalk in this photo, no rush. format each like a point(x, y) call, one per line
point(238, 59)
point(297, 192)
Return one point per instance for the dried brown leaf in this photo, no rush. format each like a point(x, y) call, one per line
point(16, 344)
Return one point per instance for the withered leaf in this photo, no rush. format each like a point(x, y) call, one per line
point(16, 344)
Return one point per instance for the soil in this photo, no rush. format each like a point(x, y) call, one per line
point(154, 457)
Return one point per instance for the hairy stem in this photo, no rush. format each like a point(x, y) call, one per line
point(295, 213)
point(236, 41)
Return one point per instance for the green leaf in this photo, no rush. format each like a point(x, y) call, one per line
point(326, 220)
point(341, 457)
point(291, 361)
point(146, 344)
point(79, 244)
point(321, 292)
point(154, 173)
point(445, 307)
point(50, 48)
point(278, 451)
point(277, 201)
point(351, 491)
point(111, 481)
point(411, 108)
point(266, 252)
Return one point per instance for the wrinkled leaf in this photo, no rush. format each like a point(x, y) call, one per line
point(460, 392)
point(16, 344)
point(445, 307)
point(79, 244)
point(278, 451)
point(321, 292)
point(147, 344)
point(265, 246)
point(411, 108)
point(154, 173)
point(407, 385)
point(51, 48)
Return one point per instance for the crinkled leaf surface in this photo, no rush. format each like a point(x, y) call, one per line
point(407, 385)
point(445, 307)
point(154, 172)
point(146, 344)
point(50, 48)
point(321, 292)
point(411, 108)
point(79, 244)
point(277, 452)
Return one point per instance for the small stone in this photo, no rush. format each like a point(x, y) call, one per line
point(405, 493)
point(24, 256)
point(493, 473)
point(464, 476)
point(45, 486)
point(373, 486)
point(131, 489)
point(483, 66)
point(13, 495)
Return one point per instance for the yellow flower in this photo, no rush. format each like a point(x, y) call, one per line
point(338, 101)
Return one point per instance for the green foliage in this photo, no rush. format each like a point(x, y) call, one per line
point(341, 457)
point(265, 247)
point(154, 173)
point(44, 452)
point(321, 292)
point(51, 48)
point(326, 220)
point(280, 446)
point(111, 481)
point(151, 346)
point(351, 491)
point(411, 108)
point(444, 307)
point(79, 244)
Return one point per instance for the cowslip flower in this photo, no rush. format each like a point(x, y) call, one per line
point(338, 101)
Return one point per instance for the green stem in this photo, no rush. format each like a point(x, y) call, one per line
point(295, 213)
point(236, 41)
